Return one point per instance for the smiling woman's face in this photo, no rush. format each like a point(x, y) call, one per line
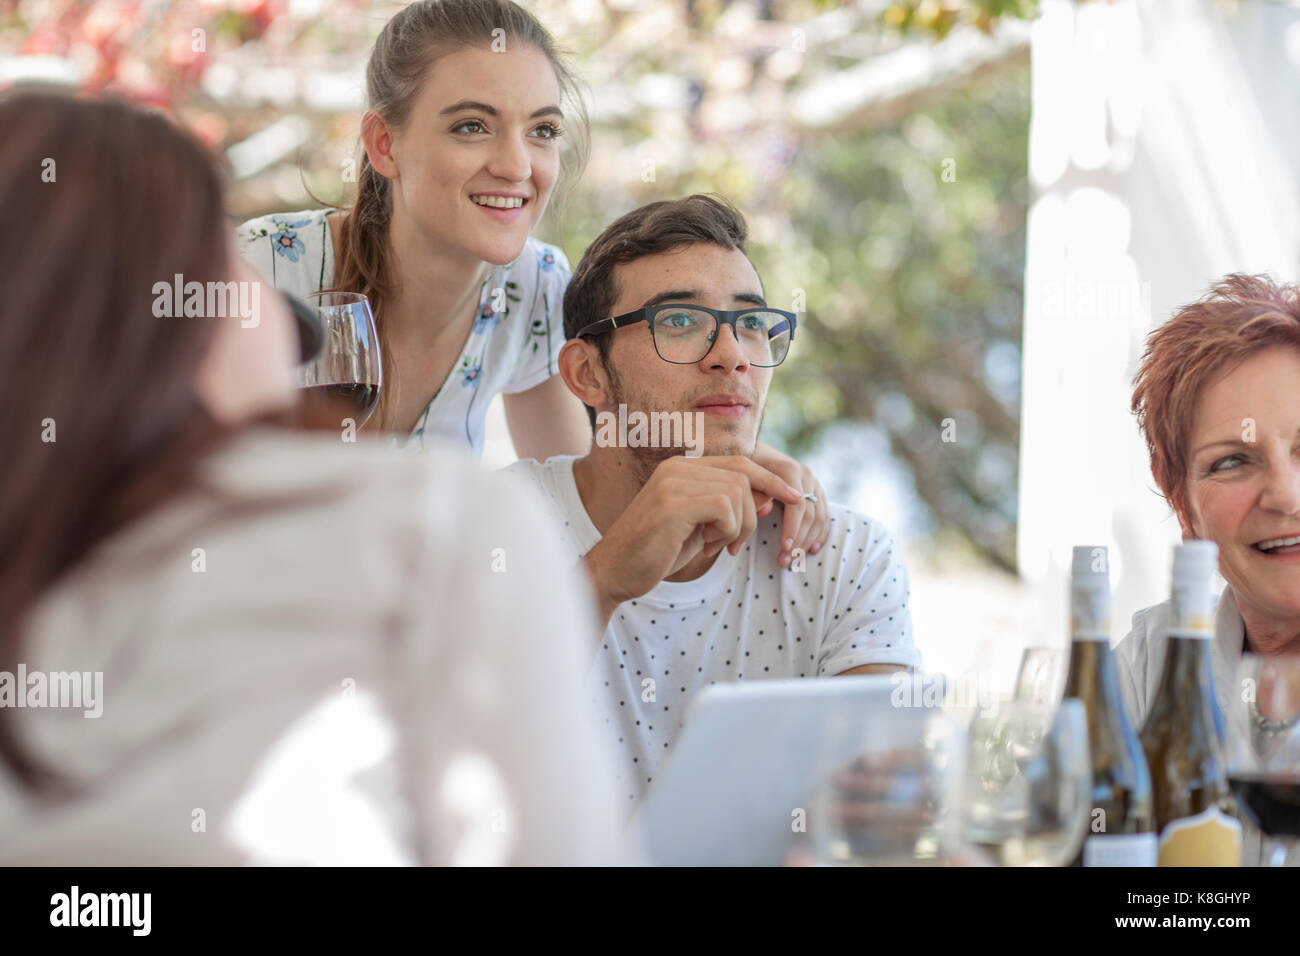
point(1243, 482)
point(479, 154)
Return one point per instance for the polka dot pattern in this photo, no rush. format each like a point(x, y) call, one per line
point(744, 619)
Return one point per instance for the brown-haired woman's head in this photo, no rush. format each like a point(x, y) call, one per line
point(103, 385)
point(467, 101)
point(1217, 397)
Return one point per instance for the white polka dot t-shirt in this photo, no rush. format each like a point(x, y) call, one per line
point(746, 618)
point(517, 333)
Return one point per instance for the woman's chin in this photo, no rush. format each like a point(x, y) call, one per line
point(501, 251)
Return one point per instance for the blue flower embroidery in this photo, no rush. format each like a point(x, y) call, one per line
point(487, 318)
point(286, 242)
point(548, 261)
point(470, 376)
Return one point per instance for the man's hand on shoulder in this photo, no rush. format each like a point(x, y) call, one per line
point(689, 507)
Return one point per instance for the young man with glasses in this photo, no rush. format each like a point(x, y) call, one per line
point(666, 316)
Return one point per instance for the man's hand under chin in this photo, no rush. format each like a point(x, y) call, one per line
point(688, 511)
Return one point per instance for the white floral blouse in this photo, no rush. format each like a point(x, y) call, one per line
point(512, 348)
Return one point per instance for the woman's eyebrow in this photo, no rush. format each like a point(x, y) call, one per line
point(1230, 443)
point(491, 110)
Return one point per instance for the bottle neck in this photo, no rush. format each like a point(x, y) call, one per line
point(1092, 670)
point(1185, 682)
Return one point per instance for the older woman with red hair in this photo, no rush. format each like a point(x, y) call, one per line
point(1218, 400)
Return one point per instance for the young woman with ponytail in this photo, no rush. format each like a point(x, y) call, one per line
point(467, 103)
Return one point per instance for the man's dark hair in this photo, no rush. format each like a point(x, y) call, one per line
point(654, 228)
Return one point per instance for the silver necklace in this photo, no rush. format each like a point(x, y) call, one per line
point(1267, 725)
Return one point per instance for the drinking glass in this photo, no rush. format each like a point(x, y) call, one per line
point(1041, 678)
point(1263, 738)
point(1028, 783)
point(896, 791)
point(342, 382)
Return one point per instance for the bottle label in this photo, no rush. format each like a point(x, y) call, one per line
point(1211, 838)
point(1120, 849)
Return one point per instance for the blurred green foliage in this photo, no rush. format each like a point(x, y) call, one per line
point(894, 222)
point(938, 17)
point(915, 309)
point(906, 243)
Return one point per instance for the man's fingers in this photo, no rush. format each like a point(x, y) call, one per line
point(803, 538)
point(716, 506)
point(760, 479)
point(821, 527)
point(688, 551)
point(769, 482)
point(749, 521)
point(728, 494)
point(794, 516)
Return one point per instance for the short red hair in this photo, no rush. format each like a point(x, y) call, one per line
point(1238, 317)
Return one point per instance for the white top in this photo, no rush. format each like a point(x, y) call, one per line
point(744, 618)
point(510, 350)
point(1140, 656)
point(318, 658)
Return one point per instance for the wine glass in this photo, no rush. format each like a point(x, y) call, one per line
point(1028, 783)
point(342, 382)
point(896, 791)
point(1041, 678)
point(1263, 737)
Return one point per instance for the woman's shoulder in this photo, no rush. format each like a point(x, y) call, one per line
point(1139, 655)
point(262, 226)
point(290, 247)
point(1146, 622)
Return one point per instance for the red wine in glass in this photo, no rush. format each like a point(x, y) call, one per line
point(327, 407)
point(1263, 749)
point(1271, 801)
point(340, 386)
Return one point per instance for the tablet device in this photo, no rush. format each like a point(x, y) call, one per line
point(752, 753)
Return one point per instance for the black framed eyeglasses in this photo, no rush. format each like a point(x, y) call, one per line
point(685, 334)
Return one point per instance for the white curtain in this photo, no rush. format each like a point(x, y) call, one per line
point(1164, 153)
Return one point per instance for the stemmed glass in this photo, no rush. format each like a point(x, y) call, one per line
point(897, 792)
point(342, 383)
point(1028, 782)
point(1041, 678)
point(1263, 743)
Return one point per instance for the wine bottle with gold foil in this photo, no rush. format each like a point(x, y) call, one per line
point(1195, 812)
point(1121, 822)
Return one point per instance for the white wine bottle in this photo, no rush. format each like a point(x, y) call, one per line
point(1121, 822)
point(1195, 812)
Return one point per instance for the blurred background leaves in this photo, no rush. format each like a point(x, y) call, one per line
point(879, 151)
